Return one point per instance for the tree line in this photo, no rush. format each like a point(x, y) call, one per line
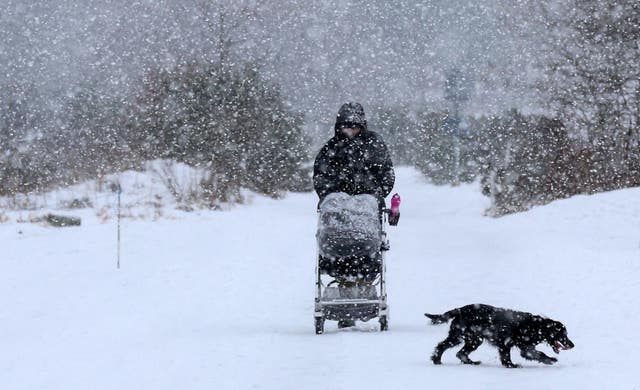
point(230, 116)
point(520, 160)
point(227, 120)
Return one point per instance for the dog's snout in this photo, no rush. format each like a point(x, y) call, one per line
point(564, 343)
point(570, 344)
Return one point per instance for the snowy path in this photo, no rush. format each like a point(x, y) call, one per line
point(224, 299)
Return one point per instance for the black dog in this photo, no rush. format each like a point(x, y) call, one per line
point(503, 328)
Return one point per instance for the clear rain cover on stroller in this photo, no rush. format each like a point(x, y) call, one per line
point(349, 226)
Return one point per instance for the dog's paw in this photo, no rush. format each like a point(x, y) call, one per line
point(550, 360)
point(465, 360)
point(436, 360)
point(511, 365)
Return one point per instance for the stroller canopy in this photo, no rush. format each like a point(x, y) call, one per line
point(349, 226)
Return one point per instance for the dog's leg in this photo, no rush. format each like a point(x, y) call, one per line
point(471, 344)
point(531, 353)
point(505, 356)
point(450, 342)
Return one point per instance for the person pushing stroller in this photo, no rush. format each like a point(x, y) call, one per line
point(353, 164)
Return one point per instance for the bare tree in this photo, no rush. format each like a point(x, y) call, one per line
point(593, 81)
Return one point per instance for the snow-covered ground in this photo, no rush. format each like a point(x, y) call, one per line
point(224, 300)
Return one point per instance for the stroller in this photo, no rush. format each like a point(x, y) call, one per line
point(352, 243)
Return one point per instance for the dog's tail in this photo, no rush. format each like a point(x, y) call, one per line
point(442, 318)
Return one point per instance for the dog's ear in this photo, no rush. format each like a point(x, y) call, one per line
point(555, 330)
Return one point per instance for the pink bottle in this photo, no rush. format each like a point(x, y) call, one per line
point(394, 216)
point(395, 205)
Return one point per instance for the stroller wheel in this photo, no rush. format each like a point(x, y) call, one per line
point(384, 323)
point(319, 325)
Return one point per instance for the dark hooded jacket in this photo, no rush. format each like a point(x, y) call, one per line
point(360, 165)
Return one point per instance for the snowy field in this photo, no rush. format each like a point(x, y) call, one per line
point(224, 300)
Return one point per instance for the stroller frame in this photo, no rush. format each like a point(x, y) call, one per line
point(357, 302)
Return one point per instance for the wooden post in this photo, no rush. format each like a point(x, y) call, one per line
point(119, 192)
